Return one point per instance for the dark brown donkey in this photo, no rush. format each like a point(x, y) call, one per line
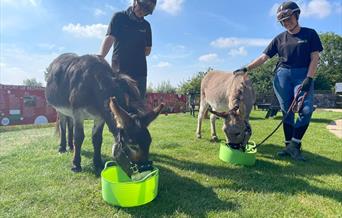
point(81, 87)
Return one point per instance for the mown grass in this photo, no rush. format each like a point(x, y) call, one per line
point(36, 181)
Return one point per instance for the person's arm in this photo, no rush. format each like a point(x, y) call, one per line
point(148, 51)
point(306, 84)
point(106, 45)
point(313, 64)
point(257, 62)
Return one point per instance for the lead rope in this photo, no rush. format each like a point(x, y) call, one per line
point(293, 107)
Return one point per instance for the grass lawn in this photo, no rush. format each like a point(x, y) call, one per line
point(36, 181)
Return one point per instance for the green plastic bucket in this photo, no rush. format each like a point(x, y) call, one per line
point(119, 190)
point(235, 156)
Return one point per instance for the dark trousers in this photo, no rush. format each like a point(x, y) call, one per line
point(141, 80)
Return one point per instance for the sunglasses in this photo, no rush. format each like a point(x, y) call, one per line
point(285, 14)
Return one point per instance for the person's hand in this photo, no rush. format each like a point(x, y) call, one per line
point(241, 70)
point(306, 84)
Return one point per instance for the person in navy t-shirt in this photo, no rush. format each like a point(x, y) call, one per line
point(132, 38)
point(298, 50)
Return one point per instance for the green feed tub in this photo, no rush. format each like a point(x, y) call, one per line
point(238, 157)
point(119, 190)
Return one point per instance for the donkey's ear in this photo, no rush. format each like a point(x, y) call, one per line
point(147, 118)
point(120, 115)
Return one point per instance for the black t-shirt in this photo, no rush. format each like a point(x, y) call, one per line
point(294, 50)
point(132, 36)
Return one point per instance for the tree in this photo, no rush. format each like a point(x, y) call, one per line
point(330, 68)
point(32, 82)
point(193, 85)
point(165, 87)
point(262, 77)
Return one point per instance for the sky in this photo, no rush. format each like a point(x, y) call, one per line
point(189, 36)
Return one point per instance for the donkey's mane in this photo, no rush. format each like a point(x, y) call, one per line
point(130, 86)
point(238, 86)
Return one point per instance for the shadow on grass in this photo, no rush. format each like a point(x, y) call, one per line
point(266, 176)
point(182, 196)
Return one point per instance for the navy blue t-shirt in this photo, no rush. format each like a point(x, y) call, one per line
point(132, 36)
point(294, 50)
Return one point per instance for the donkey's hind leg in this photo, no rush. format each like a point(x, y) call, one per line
point(61, 125)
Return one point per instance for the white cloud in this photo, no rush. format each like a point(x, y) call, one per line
point(87, 31)
point(50, 47)
point(241, 51)
point(208, 57)
point(18, 64)
point(171, 6)
point(163, 64)
point(314, 8)
point(99, 12)
point(235, 42)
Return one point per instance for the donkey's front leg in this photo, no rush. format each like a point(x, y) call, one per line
point(97, 143)
point(201, 112)
point(213, 128)
point(78, 140)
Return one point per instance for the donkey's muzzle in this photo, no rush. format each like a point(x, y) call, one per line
point(120, 153)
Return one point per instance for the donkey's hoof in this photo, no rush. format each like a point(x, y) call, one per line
point(199, 136)
point(76, 169)
point(214, 139)
point(62, 150)
point(99, 166)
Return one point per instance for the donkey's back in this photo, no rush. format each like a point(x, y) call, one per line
point(215, 88)
point(78, 81)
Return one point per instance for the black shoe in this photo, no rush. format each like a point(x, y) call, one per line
point(294, 150)
point(284, 153)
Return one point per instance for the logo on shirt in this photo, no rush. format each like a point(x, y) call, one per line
point(302, 41)
point(143, 30)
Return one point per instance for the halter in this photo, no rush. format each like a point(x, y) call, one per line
point(247, 130)
point(123, 160)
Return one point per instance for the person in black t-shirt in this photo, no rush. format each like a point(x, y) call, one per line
point(132, 38)
point(298, 50)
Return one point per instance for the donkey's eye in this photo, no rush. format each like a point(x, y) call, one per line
point(237, 134)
